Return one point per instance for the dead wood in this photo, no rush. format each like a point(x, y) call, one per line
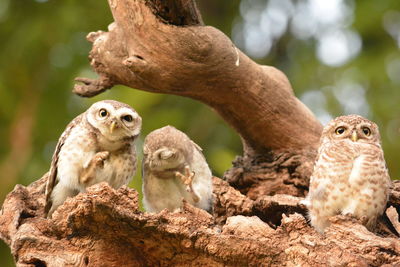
point(104, 227)
point(146, 50)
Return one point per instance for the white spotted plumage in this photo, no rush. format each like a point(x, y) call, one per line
point(94, 149)
point(350, 175)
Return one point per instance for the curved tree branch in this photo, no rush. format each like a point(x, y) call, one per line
point(144, 49)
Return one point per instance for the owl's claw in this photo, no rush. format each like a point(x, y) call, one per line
point(187, 180)
point(100, 157)
point(365, 220)
point(96, 162)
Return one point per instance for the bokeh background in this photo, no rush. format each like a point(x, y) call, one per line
point(341, 57)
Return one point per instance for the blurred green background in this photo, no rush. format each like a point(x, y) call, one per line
point(342, 57)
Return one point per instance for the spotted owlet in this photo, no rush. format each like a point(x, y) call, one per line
point(350, 175)
point(174, 168)
point(96, 146)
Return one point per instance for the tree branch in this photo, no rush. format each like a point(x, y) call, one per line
point(104, 227)
point(144, 49)
point(179, 13)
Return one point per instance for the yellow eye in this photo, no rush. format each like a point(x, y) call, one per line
point(340, 130)
point(366, 131)
point(103, 113)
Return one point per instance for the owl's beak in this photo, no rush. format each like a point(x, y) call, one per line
point(354, 136)
point(112, 126)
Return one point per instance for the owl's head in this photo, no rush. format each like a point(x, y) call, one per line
point(114, 120)
point(351, 127)
point(166, 149)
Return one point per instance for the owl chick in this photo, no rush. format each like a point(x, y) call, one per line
point(174, 169)
point(96, 146)
point(350, 175)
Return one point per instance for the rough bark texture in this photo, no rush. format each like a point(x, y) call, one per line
point(104, 227)
point(163, 47)
point(142, 51)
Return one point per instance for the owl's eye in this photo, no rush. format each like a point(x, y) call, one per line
point(127, 118)
point(340, 130)
point(366, 131)
point(103, 113)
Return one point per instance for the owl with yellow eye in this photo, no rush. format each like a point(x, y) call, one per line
point(350, 175)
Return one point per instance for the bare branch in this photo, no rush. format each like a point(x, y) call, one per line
point(144, 51)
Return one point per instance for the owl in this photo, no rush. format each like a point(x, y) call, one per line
point(174, 168)
point(97, 146)
point(350, 175)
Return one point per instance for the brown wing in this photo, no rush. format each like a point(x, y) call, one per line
point(52, 177)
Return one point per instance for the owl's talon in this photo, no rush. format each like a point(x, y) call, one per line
point(100, 157)
point(97, 162)
point(187, 180)
point(364, 220)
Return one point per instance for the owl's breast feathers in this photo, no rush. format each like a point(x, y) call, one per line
point(349, 173)
point(350, 161)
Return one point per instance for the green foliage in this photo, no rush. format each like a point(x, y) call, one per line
point(43, 48)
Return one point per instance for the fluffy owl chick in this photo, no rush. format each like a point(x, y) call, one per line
point(97, 146)
point(174, 169)
point(350, 175)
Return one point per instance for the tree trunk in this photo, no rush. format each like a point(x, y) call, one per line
point(163, 47)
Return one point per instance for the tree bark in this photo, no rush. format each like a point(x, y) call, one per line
point(104, 227)
point(144, 52)
point(163, 47)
